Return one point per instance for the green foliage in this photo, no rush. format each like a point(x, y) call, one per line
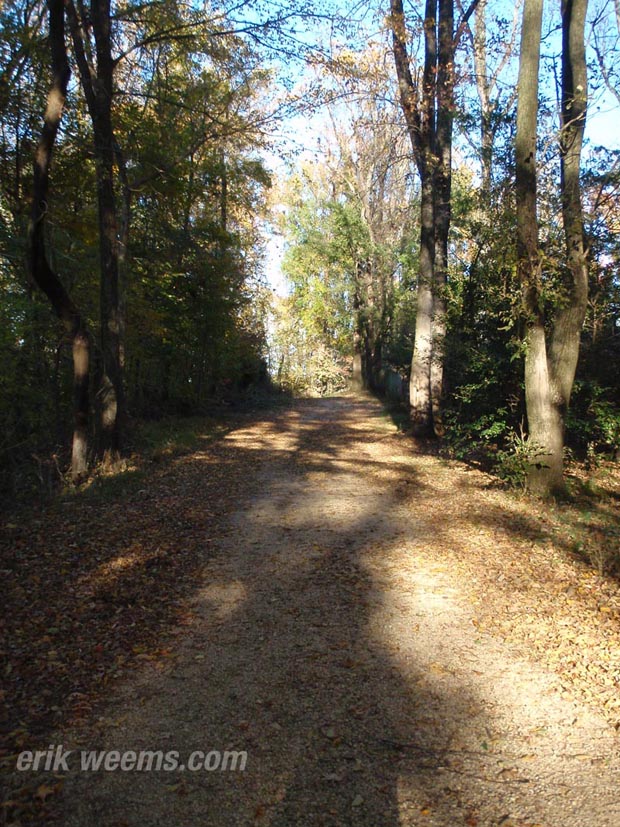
point(302, 363)
point(350, 278)
point(513, 463)
point(313, 330)
point(189, 117)
point(491, 442)
point(325, 239)
point(190, 182)
point(483, 358)
point(479, 437)
point(593, 421)
point(484, 352)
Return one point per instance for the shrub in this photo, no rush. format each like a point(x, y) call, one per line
point(593, 421)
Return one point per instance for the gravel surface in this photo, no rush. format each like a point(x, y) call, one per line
point(336, 638)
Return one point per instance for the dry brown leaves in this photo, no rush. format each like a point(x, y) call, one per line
point(91, 589)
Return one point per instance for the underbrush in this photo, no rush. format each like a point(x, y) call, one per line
point(40, 476)
point(587, 518)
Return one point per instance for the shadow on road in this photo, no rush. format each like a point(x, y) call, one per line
point(287, 632)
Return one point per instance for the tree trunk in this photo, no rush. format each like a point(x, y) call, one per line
point(442, 193)
point(479, 43)
point(550, 365)
point(543, 468)
point(39, 267)
point(566, 332)
point(357, 378)
point(429, 117)
point(418, 106)
point(419, 378)
point(97, 84)
point(111, 393)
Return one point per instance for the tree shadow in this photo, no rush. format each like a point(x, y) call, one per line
point(584, 529)
point(248, 583)
point(294, 657)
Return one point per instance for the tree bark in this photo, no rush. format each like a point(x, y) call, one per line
point(429, 113)
point(566, 332)
point(97, 83)
point(418, 107)
point(442, 193)
point(39, 266)
point(537, 385)
point(357, 378)
point(419, 378)
point(482, 87)
point(550, 361)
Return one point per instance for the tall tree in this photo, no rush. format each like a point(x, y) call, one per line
point(92, 41)
point(428, 107)
point(39, 266)
point(552, 344)
point(492, 45)
point(528, 253)
point(370, 171)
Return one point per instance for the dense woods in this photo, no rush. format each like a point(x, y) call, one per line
point(496, 301)
point(450, 222)
point(143, 214)
point(310, 412)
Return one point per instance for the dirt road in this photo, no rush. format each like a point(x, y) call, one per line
point(337, 641)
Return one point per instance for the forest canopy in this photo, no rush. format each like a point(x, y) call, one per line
point(149, 152)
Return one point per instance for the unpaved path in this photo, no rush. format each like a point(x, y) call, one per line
point(335, 641)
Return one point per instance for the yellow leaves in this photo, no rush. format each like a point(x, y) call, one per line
point(347, 57)
point(180, 788)
point(29, 803)
point(44, 791)
point(437, 668)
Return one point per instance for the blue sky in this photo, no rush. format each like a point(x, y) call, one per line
point(299, 134)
